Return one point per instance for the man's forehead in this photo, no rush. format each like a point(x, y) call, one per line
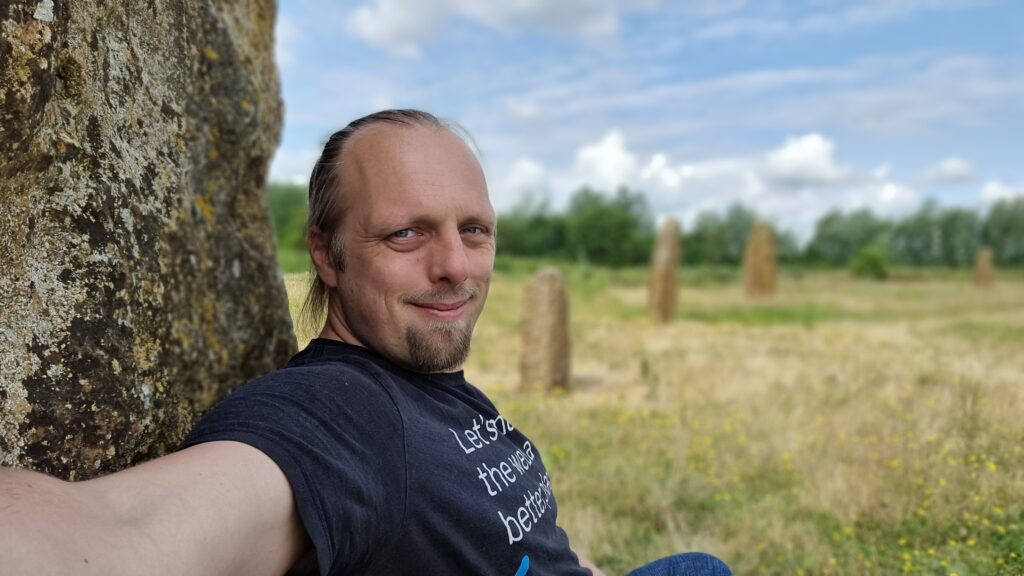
point(395, 145)
point(384, 158)
point(387, 140)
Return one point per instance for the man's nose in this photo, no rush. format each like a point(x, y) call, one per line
point(449, 262)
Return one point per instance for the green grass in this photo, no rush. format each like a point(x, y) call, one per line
point(887, 439)
point(807, 314)
point(988, 331)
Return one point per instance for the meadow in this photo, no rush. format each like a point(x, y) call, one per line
point(840, 427)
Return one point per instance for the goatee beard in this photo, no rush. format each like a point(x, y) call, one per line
point(441, 348)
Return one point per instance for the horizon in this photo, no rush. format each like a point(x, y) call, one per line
point(790, 108)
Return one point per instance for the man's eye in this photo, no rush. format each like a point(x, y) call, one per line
point(404, 233)
point(473, 230)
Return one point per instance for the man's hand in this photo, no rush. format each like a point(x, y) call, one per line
point(215, 508)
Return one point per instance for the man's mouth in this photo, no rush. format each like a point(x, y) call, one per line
point(444, 304)
point(441, 305)
point(442, 310)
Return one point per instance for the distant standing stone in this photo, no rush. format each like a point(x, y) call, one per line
point(984, 275)
point(545, 358)
point(760, 262)
point(662, 292)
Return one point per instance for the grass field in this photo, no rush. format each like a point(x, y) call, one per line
point(841, 427)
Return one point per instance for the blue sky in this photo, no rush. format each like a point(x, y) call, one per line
point(792, 108)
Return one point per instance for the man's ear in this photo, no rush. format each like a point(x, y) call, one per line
point(320, 252)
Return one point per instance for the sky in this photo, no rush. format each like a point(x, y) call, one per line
point(793, 108)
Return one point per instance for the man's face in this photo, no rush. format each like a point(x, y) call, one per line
point(418, 231)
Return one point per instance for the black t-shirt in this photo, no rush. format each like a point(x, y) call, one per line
point(396, 472)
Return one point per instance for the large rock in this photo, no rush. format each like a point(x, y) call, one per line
point(138, 281)
point(760, 262)
point(984, 273)
point(662, 291)
point(545, 359)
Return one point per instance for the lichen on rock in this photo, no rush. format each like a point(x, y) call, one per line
point(138, 279)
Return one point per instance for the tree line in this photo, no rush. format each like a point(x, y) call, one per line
point(618, 229)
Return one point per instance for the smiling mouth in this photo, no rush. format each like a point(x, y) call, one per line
point(441, 305)
point(444, 303)
point(442, 310)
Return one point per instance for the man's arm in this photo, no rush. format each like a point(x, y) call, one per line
point(214, 508)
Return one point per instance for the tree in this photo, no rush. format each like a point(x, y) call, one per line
point(838, 236)
point(870, 262)
point(738, 223)
point(614, 230)
point(718, 239)
point(960, 236)
point(706, 243)
point(288, 204)
point(787, 246)
point(721, 239)
point(1004, 231)
point(917, 239)
point(532, 229)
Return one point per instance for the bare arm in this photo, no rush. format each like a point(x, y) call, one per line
point(215, 508)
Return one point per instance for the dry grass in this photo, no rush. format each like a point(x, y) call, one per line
point(843, 427)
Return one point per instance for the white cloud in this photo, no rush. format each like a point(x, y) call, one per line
point(657, 170)
point(605, 164)
point(293, 166)
point(588, 18)
point(527, 178)
point(381, 102)
point(285, 35)
point(994, 190)
point(804, 160)
point(697, 132)
point(746, 27)
point(396, 26)
point(892, 198)
point(401, 27)
point(526, 174)
point(792, 184)
point(523, 109)
point(893, 95)
point(821, 17)
point(952, 170)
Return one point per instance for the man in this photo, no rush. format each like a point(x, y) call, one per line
point(369, 453)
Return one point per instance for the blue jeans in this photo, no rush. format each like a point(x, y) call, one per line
point(689, 564)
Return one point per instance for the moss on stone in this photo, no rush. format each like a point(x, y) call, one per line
point(136, 269)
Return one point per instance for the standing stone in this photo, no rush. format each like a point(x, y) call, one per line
point(545, 358)
point(662, 292)
point(760, 262)
point(984, 275)
point(138, 278)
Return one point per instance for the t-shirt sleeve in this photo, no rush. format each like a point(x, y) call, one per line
point(338, 437)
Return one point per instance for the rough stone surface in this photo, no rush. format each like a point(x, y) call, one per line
point(138, 282)
point(546, 352)
point(663, 289)
point(984, 273)
point(760, 262)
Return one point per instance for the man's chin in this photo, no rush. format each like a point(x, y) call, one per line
point(441, 347)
